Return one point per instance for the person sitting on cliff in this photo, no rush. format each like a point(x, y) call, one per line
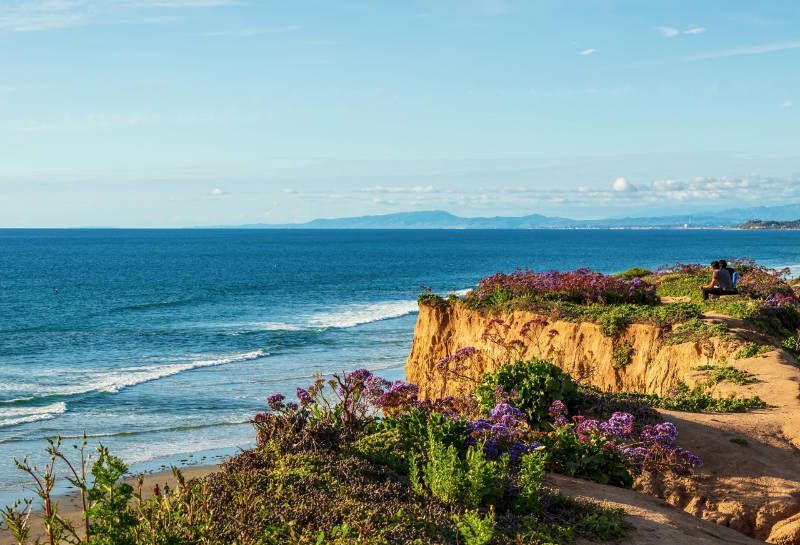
point(724, 265)
point(721, 283)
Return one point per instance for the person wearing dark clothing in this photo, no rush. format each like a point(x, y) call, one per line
point(724, 265)
point(721, 282)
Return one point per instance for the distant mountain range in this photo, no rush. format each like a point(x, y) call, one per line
point(438, 219)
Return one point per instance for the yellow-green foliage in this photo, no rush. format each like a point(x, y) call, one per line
point(751, 350)
point(696, 330)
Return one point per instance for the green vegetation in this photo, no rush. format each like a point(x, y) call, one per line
point(752, 350)
point(536, 385)
point(696, 400)
point(622, 355)
point(726, 373)
point(612, 319)
point(696, 329)
point(634, 272)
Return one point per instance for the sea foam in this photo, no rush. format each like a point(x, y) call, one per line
point(13, 416)
point(362, 313)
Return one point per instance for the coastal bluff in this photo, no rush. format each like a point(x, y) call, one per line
point(579, 348)
point(751, 478)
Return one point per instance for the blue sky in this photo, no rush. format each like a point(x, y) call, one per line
point(209, 112)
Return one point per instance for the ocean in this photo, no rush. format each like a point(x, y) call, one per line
point(161, 344)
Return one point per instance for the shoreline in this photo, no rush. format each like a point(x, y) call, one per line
point(69, 505)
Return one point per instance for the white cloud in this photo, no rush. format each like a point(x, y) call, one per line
point(751, 50)
point(589, 51)
point(694, 30)
point(252, 31)
point(668, 31)
point(787, 104)
point(621, 185)
point(217, 192)
point(40, 15)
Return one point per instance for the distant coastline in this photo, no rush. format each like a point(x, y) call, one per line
point(734, 218)
point(756, 225)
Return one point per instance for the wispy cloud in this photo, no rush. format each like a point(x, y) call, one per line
point(668, 31)
point(40, 15)
point(252, 31)
point(750, 50)
point(673, 32)
point(787, 104)
point(694, 30)
point(589, 51)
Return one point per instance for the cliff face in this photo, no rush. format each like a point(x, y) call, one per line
point(637, 360)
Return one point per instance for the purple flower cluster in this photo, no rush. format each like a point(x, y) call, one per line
point(657, 449)
point(768, 285)
point(619, 426)
point(558, 412)
point(663, 435)
point(654, 448)
point(504, 432)
point(579, 286)
point(275, 402)
point(401, 394)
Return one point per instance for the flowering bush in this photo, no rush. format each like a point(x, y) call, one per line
point(654, 449)
point(580, 286)
point(533, 386)
point(506, 432)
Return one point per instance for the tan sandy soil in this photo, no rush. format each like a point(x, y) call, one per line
point(654, 521)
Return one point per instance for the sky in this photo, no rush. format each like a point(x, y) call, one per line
point(168, 113)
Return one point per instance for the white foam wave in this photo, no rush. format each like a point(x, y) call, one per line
point(362, 313)
point(13, 416)
point(277, 326)
point(462, 293)
point(133, 376)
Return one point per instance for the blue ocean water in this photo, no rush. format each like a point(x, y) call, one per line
point(161, 344)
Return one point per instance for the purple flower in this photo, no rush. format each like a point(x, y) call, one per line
point(490, 449)
point(275, 401)
point(619, 425)
point(586, 428)
point(636, 454)
point(663, 434)
point(481, 424)
point(504, 410)
point(557, 409)
point(304, 397)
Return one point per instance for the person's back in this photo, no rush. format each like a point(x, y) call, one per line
point(723, 280)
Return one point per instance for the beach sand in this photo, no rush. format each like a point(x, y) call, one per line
point(69, 505)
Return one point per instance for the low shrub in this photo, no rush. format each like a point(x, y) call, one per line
point(752, 350)
point(726, 373)
point(696, 330)
point(533, 386)
point(634, 272)
point(474, 528)
point(697, 400)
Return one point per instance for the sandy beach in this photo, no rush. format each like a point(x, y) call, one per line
point(69, 505)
